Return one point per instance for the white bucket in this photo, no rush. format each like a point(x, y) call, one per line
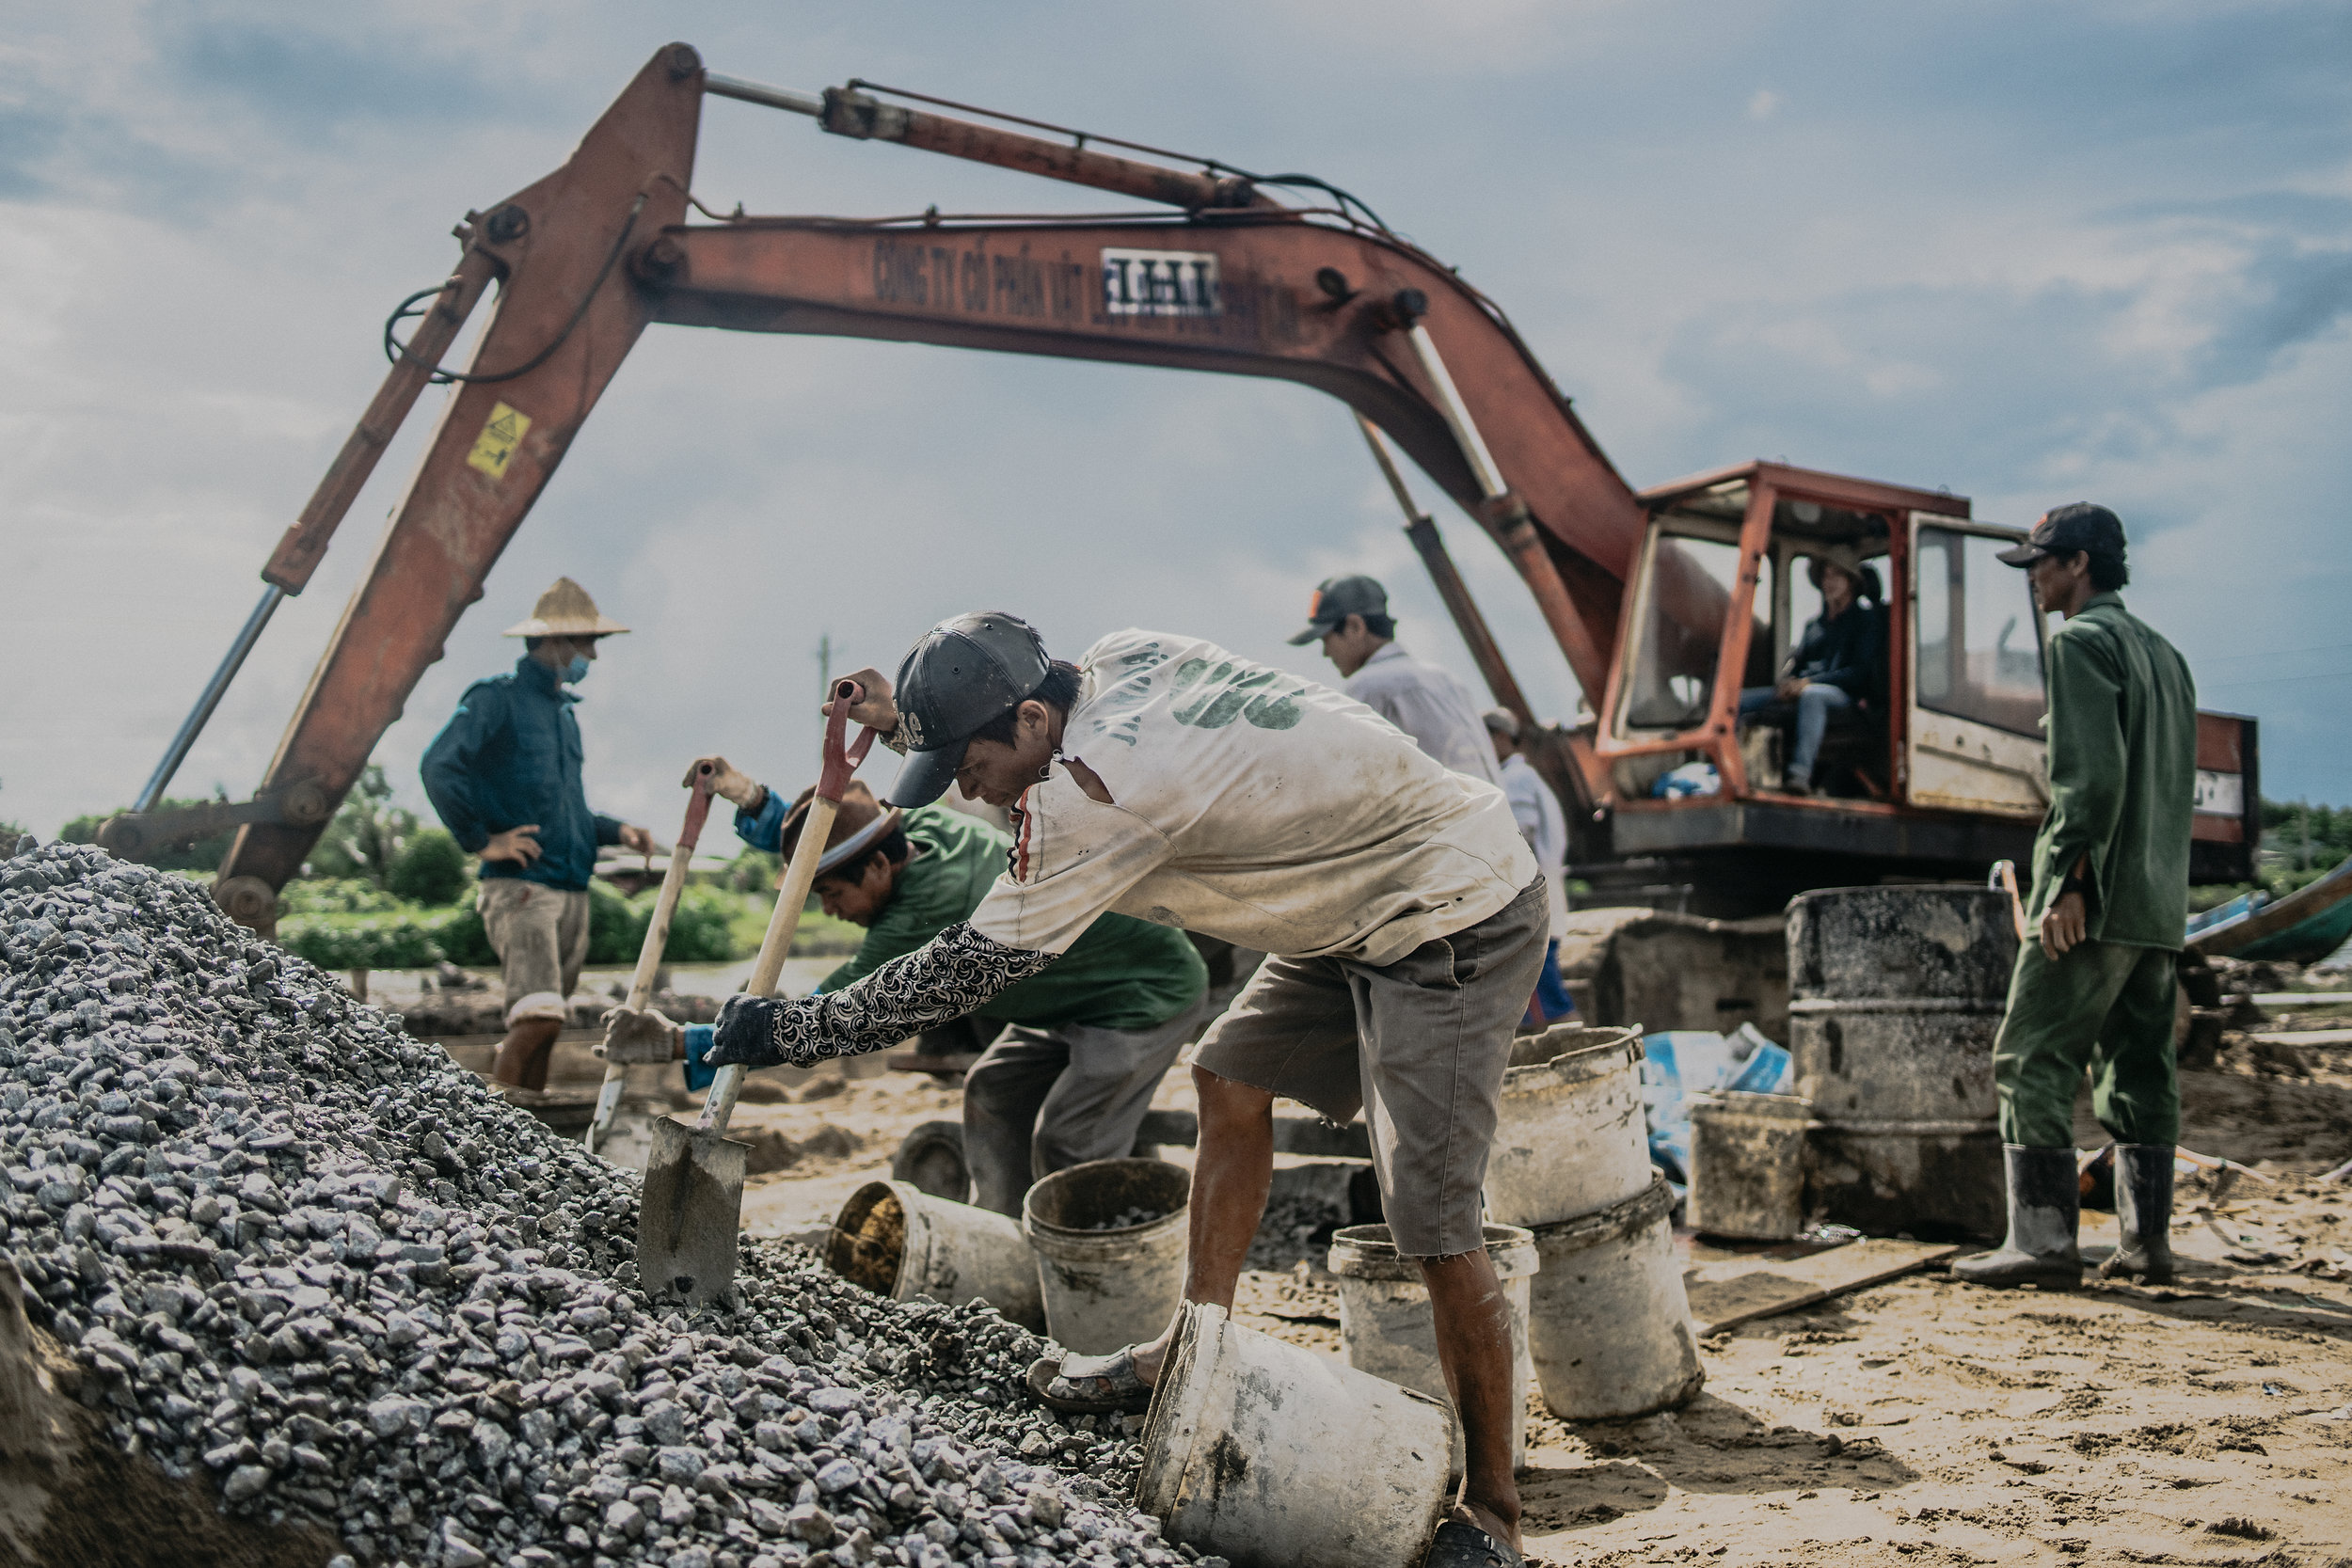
point(1104, 1289)
point(1570, 1139)
point(1748, 1164)
point(897, 1241)
point(1609, 1325)
point(1275, 1457)
point(1387, 1327)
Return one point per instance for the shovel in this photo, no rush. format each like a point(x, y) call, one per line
point(690, 1216)
point(619, 1028)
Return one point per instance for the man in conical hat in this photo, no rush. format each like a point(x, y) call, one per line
point(504, 775)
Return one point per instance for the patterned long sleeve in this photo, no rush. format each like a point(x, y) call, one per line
point(946, 978)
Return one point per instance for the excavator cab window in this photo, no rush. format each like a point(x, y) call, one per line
point(1687, 575)
point(1980, 653)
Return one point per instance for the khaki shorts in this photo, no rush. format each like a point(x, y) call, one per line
point(1418, 1046)
point(540, 935)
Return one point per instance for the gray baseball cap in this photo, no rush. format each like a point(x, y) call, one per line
point(1336, 599)
point(964, 673)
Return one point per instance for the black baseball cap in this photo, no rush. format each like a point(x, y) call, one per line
point(962, 672)
point(2064, 529)
point(1336, 599)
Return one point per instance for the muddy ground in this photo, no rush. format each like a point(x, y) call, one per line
point(1919, 1421)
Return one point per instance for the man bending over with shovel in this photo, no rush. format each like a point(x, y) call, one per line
point(1071, 1079)
point(1165, 778)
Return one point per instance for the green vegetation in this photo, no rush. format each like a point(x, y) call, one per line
point(2302, 843)
point(368, 833)
point(429, 869)
point(203, 855)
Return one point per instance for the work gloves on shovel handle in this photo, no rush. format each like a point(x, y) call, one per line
point(741, 790)
point(746, 1031)
point(632, 1035)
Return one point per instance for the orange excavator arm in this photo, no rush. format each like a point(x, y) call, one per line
point(588, 256)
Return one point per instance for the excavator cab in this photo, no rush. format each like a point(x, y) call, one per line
point(1937, 762)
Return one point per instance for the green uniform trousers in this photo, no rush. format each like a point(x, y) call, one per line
point(2106, 1006)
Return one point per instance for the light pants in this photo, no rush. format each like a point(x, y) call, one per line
point(1814, 706)
point(1041, 1100)
point(540, 934)
point(2104, 1007)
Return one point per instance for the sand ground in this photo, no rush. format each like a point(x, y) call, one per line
point(1919, 1421)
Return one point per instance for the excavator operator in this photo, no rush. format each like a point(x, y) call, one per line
point(1166, 778)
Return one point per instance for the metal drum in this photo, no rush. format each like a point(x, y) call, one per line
point(1895, 994)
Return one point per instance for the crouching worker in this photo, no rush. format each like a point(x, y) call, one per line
point(1166, 778)
point(1087, 1044)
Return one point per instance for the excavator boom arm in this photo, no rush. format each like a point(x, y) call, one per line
point(590, 254)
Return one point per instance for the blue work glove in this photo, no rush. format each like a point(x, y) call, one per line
point(745, 1033)
point(698, 1070)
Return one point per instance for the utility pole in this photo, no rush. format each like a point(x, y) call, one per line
point(824, 665)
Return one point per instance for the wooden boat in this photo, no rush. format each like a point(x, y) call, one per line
point(2302, 927)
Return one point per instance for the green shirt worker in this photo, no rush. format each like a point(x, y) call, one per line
point(1084, 1045)
point(2094, 989)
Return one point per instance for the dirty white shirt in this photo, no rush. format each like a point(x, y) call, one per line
point(1544, 827)
point(1429, 705)
point(1251, 805)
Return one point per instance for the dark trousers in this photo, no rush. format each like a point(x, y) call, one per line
point(2104, 1006)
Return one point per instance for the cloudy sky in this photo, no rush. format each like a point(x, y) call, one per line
point(2033, 253)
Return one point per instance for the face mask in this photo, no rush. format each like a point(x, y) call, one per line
point(577, 670)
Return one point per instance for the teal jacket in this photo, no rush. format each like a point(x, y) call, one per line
point(510, 754)
point(2122, 731)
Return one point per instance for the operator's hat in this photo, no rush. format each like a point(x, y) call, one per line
point(564, 611)
point(1501, 721)
point(2064, 529)
point(1336, 599)
point(964, 673)
point(860, 824)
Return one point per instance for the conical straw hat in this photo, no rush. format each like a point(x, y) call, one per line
point(564, 611)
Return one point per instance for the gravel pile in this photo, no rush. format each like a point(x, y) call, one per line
point(309, 1256)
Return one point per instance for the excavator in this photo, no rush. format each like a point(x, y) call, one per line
point(1664, 602)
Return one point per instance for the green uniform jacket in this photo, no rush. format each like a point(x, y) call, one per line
point(1122, 973)
point(2123, 729)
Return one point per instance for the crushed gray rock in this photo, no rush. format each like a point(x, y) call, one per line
point(309, 1256)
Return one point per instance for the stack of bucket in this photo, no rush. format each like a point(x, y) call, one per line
point(1896, 995)
point(1066, 1268)
point(1608, 1326)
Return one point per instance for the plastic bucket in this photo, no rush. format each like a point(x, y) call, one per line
point(1608, 1324)
point(1748, 1164)
point(1386, 1328)
point(1272, 1456)
point(1570, 1139)
point(1108, 1287)
point(897, 1241)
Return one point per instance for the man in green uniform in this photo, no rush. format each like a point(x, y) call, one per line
point(2110, 892)
point(1084, 1045)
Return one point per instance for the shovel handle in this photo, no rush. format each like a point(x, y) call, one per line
point(799, 876)
point(657, 939)
point(672, 883)
point(2004, 876)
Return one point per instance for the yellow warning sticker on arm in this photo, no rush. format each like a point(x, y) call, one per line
point(495, 447)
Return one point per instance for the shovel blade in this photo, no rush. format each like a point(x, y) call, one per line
point(690, 1217)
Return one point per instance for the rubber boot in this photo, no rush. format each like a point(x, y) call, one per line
point(2044, 1203)
point(2143, 1212)
point(522, 1058)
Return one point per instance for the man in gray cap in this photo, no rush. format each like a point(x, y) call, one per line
point(1349, 616)
point(1839, 662)
point(1165, 778)
point(2110, 880)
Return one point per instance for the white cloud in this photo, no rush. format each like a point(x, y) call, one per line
point(1764, 104)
